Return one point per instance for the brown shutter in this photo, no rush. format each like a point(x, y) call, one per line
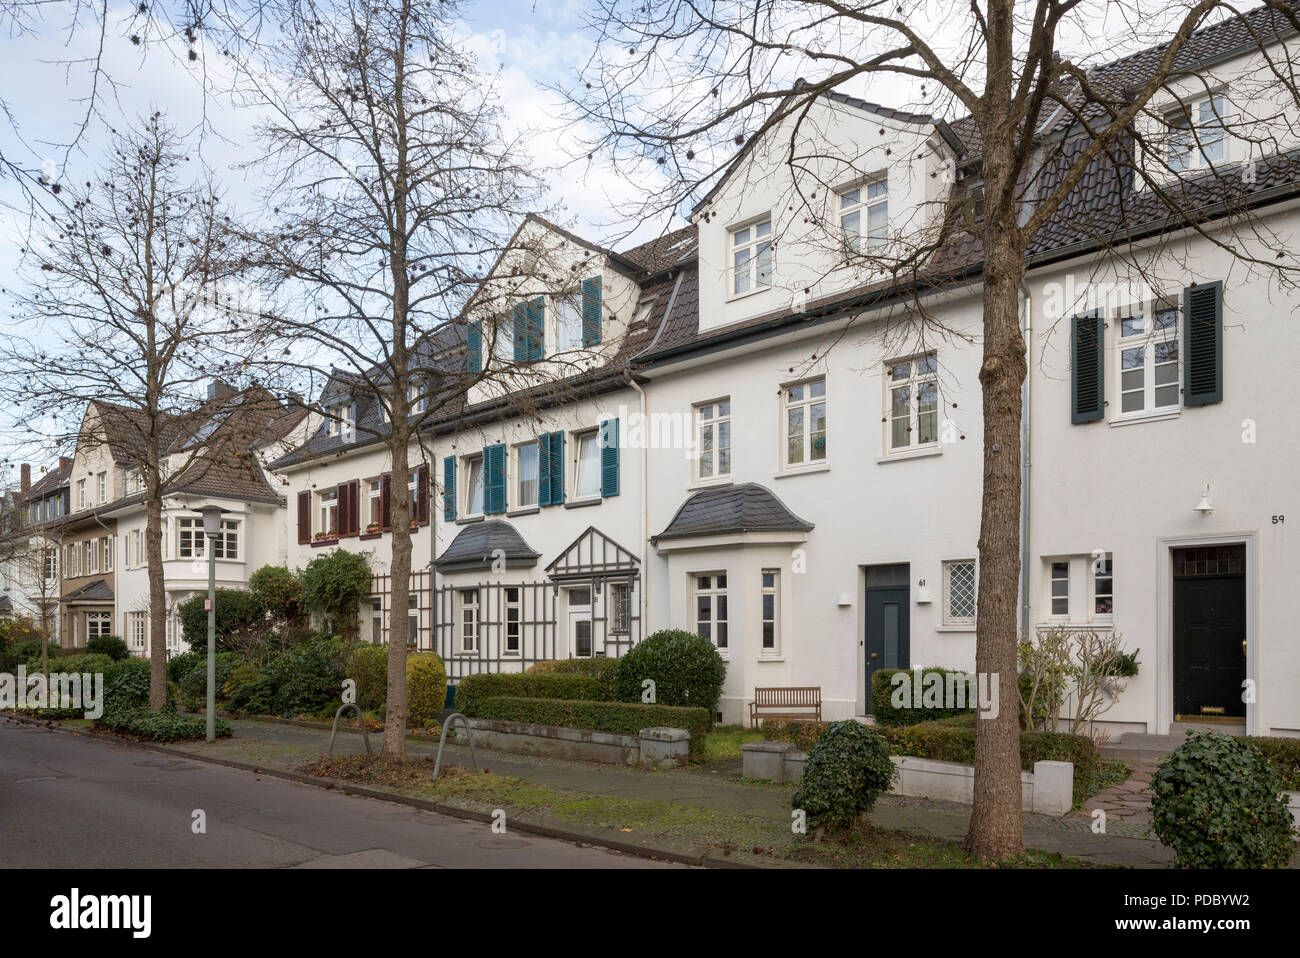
point(386, 502)
point(354, 507)
point(304, 517)
point(422, 490)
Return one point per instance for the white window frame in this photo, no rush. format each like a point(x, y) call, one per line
point(375, 503)
point(568, 321)
point(772, 591)
point(515, 606)
point(341, 418)
point(1053, 567)
point(620, 609)
point(711, 417)
point(1151, 341)
point(754, 240)
point(503, 342)
point(327, 511)
point(81, 493)
point(101, 486)
point(191, 527)
point(716, 589)
point(1101, 568)
point(417, 400)
point(225, 544)
point(1203, 143)
point(106, 545)
point(103, 624)
point(805, 403)
point(922, 371)
point(378, 633)
point(579, 473)
point(469, 463)
point(858, 200)
point(949, 617)
point(518, 455)
point(138, 630)
point(463, 606)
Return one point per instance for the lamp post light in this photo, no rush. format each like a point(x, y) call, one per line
point(212, 529)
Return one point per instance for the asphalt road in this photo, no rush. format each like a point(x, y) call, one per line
point(67, 801)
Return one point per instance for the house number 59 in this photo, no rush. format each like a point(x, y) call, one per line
point(1278, 520)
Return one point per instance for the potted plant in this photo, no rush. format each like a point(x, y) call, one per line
point(372, 528)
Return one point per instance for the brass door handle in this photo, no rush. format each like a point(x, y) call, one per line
point(873, 654)
point(1243, 646)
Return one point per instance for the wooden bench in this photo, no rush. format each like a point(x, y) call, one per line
point(793, 702)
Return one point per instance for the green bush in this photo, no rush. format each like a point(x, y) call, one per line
point(160, 726)
point(236, 609)
point(178, 666)
point(193, 684)
point(686, 669)
point(307, 677)
point(128, 690)
point(846, 772)
point(604, 669)
point(368, 667)
point(474, 690)
point(111, 645)
point(804, 733)
point(426, 688)
point(83, 662)
point(953, 740)
point(882, 694)
point(333, 585)
point(1284, 754)
point(1216, 801)
point(624, 718)
point(278, 591)
point(126, 667)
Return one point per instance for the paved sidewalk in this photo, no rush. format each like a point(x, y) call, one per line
point(1127, 804)
point(288, 746)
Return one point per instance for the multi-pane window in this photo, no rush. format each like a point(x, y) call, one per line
point(514, 620)
point(1197, 138)
point(340, 419)
point(713, 434)
point(189, 541)
point(412, 620)
point(81, 493)
point(1060, 578)
point(468, 619)
point(864, 216)
point(528, 472)
point(770, 596)
point(417, 400)
point(711, 608)
point(225, 544)
point(568, 322)
point(1103, 587)
point(97, 624)
point(620, 608)
point(102, 481)
point(959, 592)
point(751, 257)
point(913, 402)
point(1148, 358)
point(473, 486)
point(374, 503)
point(329, 512)
point(50, 563)
point(92, 556)
point(377, 621)
point(106, 547)
point(137, 630)
point(587, 473)
point(804, 422)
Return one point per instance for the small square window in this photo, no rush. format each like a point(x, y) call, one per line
point(959, 592)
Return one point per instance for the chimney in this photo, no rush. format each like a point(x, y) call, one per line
point(65, 462)
point(217, 389)
point(25, 472)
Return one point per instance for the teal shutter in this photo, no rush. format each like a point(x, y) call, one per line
point(1087, 368)
point(556, 441)
point(609, 457)
point(519, 332)
point(449, 488)
point(494, 479)
point(474, 348)
point(544, 469)
point(536, 314)
point(591, 311)
point(1203, 353)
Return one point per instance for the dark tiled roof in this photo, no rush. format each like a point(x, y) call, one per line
point(727, 510)
point(672, 249)
point(6, 605)
point(97, 591)
point(52, 481)
point(476, 547)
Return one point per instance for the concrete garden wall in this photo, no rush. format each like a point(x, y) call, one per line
point(651, 747)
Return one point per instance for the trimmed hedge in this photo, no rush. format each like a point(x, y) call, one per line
point(953, 740)
point(623, 718)
point(882, 691)
point(160, 726)
point(603, 669)
point(81, 662)
point(426, 688)
point(474, 690)
point(368, 667)
point(804, 733)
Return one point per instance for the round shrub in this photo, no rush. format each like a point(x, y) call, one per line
point(278, 591)
point(685, 667)
point(179, 666)
point(426, 688)
point(368, 667)
point(1216, 801)
point(846, 772)
point(111, 645)
point(307, 677)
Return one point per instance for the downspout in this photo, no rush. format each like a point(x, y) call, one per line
point(645, 509)
point(1026, 397)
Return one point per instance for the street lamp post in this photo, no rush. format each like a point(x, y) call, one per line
point(211, 529)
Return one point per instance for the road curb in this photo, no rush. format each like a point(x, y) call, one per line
point(350, 788)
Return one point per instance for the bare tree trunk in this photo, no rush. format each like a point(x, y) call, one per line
point(396, 712)
point(157, 604)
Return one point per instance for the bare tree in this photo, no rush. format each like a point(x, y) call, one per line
point(398, 191)
point(124, 319)
point(673, 84)
point(29, 550)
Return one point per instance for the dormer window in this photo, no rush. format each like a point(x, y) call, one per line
point(751, 257)
point(416, 398)
point(1197, 139)
point(340, 419)
point(864, 216)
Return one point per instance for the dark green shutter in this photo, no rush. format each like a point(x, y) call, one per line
point(519, 332)
point(474, 348)
point(536, 312)
point(494, 479)
point(556, 440)
point(1087, 368)
point(544, 469)
point(591, 311)
point(1203, 355)
point(609, 457)
point(449, 488)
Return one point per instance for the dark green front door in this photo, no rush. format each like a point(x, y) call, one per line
point(1210, 632)
point(887, 632)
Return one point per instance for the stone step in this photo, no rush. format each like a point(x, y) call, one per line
point(1142, 747)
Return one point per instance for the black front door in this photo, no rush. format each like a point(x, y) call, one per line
point(1210, 631)
point(887, 625)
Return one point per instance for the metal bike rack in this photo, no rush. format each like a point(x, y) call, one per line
point(446, 726)
point(365, 732)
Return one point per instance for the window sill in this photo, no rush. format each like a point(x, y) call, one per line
point(370, 535)
point(924, 452)
point(1075, 626)
point(469, 520)
point(955, 628)
point(711, 483)
point(737, 297)
point(771, 658)
point(1130, 418)
point(525, 511)
point(315, 543)
point(803, 470)
point(582, 503)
